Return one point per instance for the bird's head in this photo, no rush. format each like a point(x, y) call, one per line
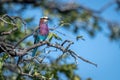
point(44, 19)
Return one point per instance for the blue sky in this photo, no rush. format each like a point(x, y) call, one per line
point(99, 49)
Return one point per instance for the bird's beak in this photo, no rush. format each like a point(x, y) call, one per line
point(48, 18)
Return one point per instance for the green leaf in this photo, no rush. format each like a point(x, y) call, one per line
point(80, 37)
point(64, 23)
point(50, 36)
point(57, 37)
point(1, 64)
point(76, 77)
point(51, 77)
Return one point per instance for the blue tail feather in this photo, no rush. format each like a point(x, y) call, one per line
point(37, 39)
point(34, 51)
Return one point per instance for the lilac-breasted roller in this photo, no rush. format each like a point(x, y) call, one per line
point(41, 33)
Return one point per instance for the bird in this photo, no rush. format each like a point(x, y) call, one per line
point(42, 32)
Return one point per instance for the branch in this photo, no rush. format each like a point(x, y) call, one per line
point(12, 22)
point(61, 48)
point(22, 39)
point(21, 52)
point(8, 48)
point(10, 31)
point(106, 6)
point(85, 60)
point(7, 22)
point(26, 37)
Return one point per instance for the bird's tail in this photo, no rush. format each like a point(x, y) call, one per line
point(34, 51)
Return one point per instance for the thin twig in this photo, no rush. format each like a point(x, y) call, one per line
point(10, 31)
point(65, 42)
point(7, 22)
point(85, 60)
point(7, 16)
point(22, 39)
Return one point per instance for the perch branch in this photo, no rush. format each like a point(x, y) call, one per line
point(61, 48)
